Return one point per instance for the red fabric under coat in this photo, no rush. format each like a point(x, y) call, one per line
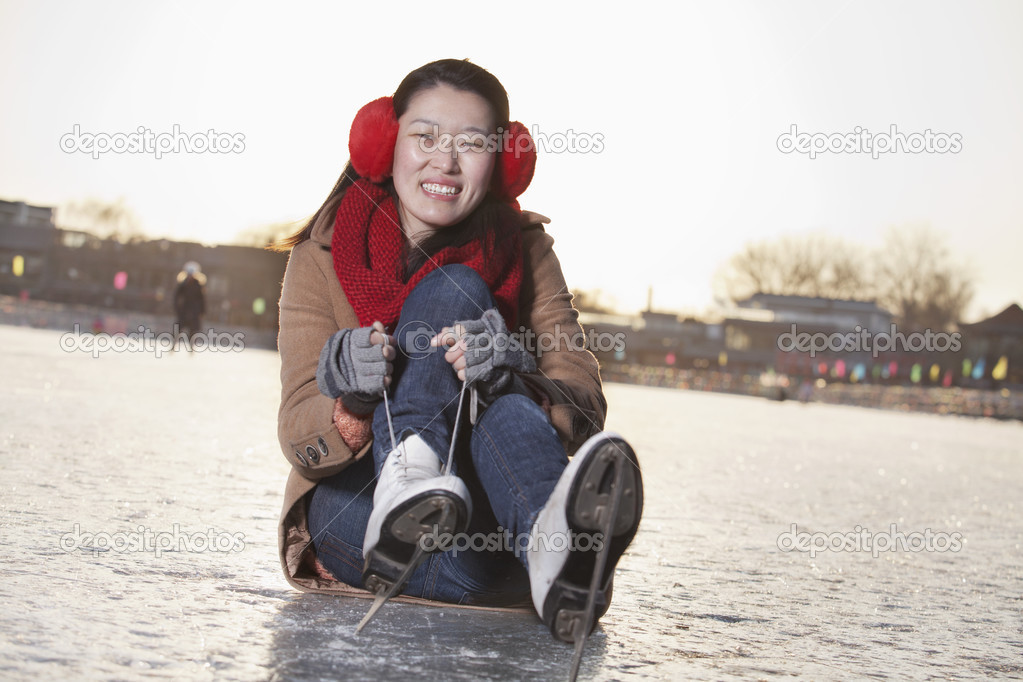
point(367, 251)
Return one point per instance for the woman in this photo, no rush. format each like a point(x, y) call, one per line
point(399, 297)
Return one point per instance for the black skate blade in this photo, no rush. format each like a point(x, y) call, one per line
point(584, 621)
point(385, 591)
point(379, 601)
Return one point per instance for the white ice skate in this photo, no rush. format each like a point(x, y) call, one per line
point(579, 535)
point(413, 497)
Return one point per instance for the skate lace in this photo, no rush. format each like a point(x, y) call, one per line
point(402, 467)
point(399, 462)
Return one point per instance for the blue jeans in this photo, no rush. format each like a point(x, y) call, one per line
point(510, 460)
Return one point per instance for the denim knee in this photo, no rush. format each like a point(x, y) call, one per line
point(448, 283)
point(515, 420)
point(467, 281)
point(517, 404)
point(446, 295)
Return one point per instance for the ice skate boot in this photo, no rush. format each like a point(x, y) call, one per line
point(580, 534)
point(413, 497)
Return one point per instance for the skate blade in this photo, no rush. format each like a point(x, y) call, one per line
point(581, 622)
point(379, 585)
point(385, 591)
point(378, 602)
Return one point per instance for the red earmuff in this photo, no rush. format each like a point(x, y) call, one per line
point(375, 132)
point(372, 139)
point(516, 161)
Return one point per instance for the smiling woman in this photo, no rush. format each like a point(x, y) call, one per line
point(395, 311)
point(439, 182)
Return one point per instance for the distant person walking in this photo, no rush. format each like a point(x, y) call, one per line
point(189, 302)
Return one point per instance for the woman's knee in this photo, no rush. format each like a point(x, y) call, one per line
point(449, 290)
point(462, 278)
point(513, 420)
point(517, 407)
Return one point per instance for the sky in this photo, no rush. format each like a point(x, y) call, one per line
point(683, 103)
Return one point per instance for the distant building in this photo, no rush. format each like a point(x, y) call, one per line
point(756, 336)
point(40, 261)
point(26, 236)
point(838, 314)
point(997, 337)
point(754, 341)
point(658, 339)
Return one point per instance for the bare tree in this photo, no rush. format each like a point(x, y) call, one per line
point(106, 220)
point(591, 301)
point(264, 235)
point(912, 275)
point(918, 282)
point(814, 265)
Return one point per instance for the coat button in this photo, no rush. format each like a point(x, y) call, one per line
point(322, 444)
point(579, 425)
point(311, 453)
point(301, 459)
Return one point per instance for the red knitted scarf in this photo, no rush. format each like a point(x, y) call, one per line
point(367, 251)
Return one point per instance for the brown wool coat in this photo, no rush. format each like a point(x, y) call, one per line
point(313, 307)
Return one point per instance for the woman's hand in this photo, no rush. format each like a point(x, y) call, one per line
point(451, 338)
point(483, 351)
point(379, 336)
point(356, 365)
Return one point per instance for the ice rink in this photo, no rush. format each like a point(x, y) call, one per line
point(913, 523)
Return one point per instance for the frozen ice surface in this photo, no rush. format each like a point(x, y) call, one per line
point(127, 443)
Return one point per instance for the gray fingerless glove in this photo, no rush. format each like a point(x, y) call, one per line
point(353, 369)
point(492, 354)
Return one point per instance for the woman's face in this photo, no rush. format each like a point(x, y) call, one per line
point(442, 162)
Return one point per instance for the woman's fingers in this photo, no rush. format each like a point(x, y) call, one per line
point(387, 341)
point(380, 336)
point(450, 338)
point(447, 336)
point(456, 353)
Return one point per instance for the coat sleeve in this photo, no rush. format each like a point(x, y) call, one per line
point(567, 376)
point(308, 318)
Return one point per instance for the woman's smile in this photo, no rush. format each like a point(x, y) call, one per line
point(439, 181)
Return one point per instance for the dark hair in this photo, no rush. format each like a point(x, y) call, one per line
point(484, 222)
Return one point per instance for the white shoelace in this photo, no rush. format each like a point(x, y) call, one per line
point(454, 432)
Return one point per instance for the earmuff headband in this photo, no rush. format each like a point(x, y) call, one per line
point(375, 132)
